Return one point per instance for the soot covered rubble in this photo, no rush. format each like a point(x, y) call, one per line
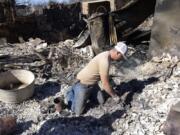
point(148, 88)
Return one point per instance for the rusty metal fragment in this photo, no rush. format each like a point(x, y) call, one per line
point(166, 28)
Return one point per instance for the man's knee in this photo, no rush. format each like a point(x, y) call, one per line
point(81, 95)
point(79, 105)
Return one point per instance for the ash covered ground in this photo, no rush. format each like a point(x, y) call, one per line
point(147, 86)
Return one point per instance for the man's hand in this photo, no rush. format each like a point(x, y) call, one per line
point(116, 98)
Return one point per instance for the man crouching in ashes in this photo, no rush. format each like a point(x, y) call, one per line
point(87, 79)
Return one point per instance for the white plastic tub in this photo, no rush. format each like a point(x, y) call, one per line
point(16, 86)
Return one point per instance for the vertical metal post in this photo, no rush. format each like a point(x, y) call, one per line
point(99, 33)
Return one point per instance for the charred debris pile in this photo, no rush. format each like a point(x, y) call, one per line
point(148, 88)
point(55, 41)
point(56, 21)
point(53, 22)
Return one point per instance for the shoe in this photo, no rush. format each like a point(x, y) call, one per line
point(59, 104)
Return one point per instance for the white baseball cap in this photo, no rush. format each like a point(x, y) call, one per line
point(122, 48)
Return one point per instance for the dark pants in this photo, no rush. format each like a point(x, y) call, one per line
point(78, 95)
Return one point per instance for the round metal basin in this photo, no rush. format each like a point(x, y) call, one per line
point(16, 86)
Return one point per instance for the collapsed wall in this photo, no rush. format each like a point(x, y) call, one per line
point(53, 22)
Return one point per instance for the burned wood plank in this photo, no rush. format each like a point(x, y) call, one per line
point(82, 38)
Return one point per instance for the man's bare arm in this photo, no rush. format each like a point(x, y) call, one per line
point(106, 85)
